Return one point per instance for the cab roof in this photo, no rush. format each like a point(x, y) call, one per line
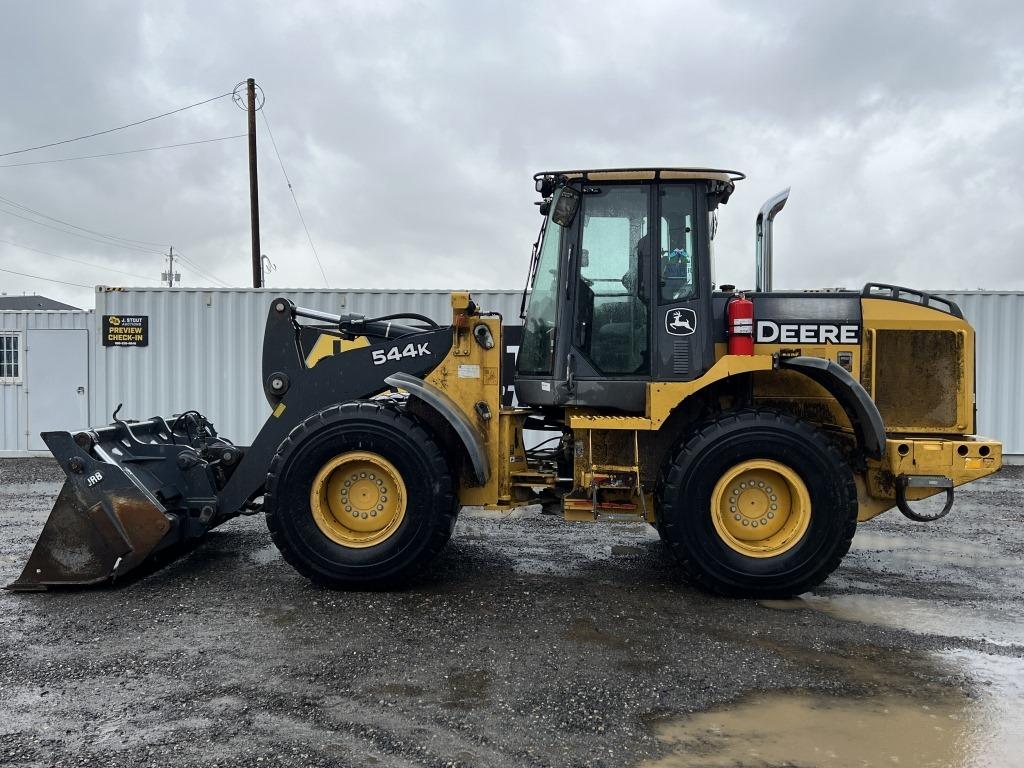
point(646, 174)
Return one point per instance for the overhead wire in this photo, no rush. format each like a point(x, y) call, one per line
point(76, 261)
point(18, 205)
point(298, 209)
point(49, 279)
point(79, 234)
point(194, 266)
point(111, 130)
point(124, 152)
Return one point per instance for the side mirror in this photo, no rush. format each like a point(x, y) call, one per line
point(567, 202)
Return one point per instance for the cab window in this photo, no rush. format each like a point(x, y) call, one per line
point(677, 276)
point(614, 257)
point(536, 352)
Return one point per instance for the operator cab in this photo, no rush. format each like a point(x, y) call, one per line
point(612, 302)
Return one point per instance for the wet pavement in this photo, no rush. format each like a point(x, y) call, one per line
point(531, 642)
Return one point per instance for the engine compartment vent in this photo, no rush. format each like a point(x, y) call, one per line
point(918, 379)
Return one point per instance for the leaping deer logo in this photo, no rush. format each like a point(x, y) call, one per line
point(681, 322)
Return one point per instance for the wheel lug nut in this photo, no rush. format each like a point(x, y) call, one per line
point(746, 523)
point(738, 517)
point(754, 524)
point(363, 515)
point(775, 506)
point(771, 515)
point(775, 498)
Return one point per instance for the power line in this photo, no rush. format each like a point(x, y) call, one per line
point(49, 279)
point(76, 261)
point(294, 198)
point(111, 130)
point(78, 234)
point(75, 226)
point(201, 272)
point(125, 152)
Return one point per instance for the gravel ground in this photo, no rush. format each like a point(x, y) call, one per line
point(531, 642)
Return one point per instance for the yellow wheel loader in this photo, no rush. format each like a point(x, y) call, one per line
point(753, 430)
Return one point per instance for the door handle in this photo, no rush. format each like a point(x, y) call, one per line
point(81, 390)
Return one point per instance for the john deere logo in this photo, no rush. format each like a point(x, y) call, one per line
point(681, 322)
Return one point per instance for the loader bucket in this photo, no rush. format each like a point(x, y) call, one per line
point(132, 490)
point(88, 544)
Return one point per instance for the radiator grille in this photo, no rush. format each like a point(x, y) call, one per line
point(917, 377)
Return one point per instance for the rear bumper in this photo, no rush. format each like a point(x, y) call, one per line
point(961, 459)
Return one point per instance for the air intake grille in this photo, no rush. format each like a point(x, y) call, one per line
point(918, 375)
point(681, 357)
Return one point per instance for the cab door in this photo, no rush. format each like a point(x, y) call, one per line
point(681, 300)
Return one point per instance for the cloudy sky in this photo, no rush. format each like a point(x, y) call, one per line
point(410, 132)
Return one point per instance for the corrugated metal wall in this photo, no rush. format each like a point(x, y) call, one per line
point(13, 402)
point(998, 320)
point(205, 347)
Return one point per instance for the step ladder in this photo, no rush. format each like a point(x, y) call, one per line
point(610, 492)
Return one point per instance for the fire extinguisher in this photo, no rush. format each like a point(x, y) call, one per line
point(739, 313)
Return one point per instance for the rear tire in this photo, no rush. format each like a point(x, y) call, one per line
point(723, 535)
point(315, 521)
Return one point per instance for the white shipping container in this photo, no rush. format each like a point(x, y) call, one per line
point(45, 376)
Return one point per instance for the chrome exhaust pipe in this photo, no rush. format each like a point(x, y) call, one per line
point(763, 243)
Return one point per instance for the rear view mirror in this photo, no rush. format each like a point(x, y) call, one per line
point(567, 202)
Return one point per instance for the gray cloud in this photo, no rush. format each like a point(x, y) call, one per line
point(411, 130)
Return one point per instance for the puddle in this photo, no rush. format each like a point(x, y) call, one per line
point(924, 617)
point(797, 729)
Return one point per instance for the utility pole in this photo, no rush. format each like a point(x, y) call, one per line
point(170, 275)
point(254, 193)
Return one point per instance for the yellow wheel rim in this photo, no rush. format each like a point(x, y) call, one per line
point(761, 508)
point(358, 499)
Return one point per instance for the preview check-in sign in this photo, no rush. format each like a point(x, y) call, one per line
point(125, 330)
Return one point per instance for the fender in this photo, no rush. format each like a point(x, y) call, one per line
point(447, 407)
point(855, 400)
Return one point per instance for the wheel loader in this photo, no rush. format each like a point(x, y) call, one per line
point(753, 429)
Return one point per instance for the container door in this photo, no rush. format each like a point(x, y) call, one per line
point(56, 382)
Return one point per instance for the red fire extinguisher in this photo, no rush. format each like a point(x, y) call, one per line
point(740, 325)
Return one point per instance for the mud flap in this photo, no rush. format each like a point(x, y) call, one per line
point(103, 523)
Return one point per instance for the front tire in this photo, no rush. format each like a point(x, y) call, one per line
point(360, 495)
point(758, 504)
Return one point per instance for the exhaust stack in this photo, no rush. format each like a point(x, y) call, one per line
point(763, 247)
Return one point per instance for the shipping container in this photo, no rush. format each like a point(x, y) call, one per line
point(45, 376)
